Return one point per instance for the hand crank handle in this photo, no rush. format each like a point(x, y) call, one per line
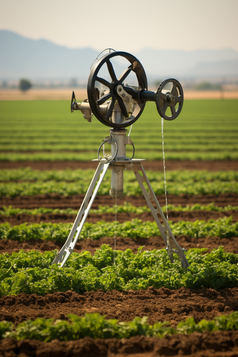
point(171, 99)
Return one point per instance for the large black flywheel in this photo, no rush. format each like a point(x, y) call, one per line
point(115, 94)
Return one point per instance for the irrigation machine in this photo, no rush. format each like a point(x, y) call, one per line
point(117, 104)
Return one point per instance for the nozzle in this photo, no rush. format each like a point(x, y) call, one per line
point(73, 105)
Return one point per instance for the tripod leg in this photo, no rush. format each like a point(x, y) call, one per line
point(167, 235)
point(71, 241)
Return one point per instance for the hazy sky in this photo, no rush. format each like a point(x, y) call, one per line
point(127, 25)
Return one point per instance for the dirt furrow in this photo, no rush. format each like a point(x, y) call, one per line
point(158, 304)
point(74, 202)
point(229, 244)
point(174, 216)
point(157, 165)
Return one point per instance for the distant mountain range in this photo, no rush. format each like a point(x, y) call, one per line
point(21, 57)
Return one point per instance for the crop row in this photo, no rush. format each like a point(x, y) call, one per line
point(200, 138)
point(125, 208)
point(66, 134)
point(32, 272)
point(50, 113)
point(90, 155)
point(58, 141)
point(49, 120)
point(130, 188)
point(51, 139)
point(211, 147)
point(65, 126)
point(68, 130)
point(27, 174)
point(135, 229)
point(69, 122)
point(96, 326)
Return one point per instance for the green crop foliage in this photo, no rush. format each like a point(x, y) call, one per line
point(147, 146)
point(71, 182)
point(135, 229)
point(131, 188)
point(96, 326)
point(27, 174)
point(31, 272)
point(200, 132)
point(125, 208)
point(90, 155)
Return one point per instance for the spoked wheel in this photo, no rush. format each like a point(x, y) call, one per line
point(104, 102)
point(169, 99)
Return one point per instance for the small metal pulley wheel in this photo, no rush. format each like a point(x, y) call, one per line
point(114, 98)
point(169, 99)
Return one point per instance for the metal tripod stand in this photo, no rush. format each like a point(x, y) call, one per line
point(118, 162)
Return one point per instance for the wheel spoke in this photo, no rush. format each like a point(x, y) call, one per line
point(173, 111)
point(164, 108)
point(123, 107)
point(178, 99)
point(125, 74)
point(104, 98)
point(111, 71)
point(110, 109)
point(103, 81)
point(174, 90)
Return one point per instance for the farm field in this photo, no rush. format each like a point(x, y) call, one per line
point(119, 268)
point(64, 94)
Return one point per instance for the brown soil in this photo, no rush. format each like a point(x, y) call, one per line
point(81, 94)
point(229, 244)
point(174, 216)
point(215, 165)
point(158, 304)
point(42, 94)
point(74, 202)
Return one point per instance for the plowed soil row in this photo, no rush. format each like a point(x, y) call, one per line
point(229, 244)
point(207, 344)
point(157, 165)
point(74, 202)
point(158, 304)
point(174, 216)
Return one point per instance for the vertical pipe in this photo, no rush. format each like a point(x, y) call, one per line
point(116, 182)
point(117, 170)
